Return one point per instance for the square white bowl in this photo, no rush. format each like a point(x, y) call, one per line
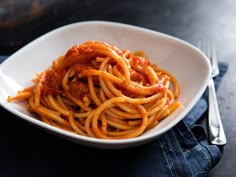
point(187, 63)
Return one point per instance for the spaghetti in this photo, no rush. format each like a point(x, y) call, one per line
point(100, 91)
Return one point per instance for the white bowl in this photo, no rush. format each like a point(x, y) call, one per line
point(186, 62)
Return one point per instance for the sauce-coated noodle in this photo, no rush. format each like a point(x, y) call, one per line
point(100, 91)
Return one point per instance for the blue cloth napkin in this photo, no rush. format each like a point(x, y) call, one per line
point(184, 151)
point(2, 58)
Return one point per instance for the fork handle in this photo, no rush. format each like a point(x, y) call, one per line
point(216, 131)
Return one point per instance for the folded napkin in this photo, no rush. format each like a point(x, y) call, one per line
point(2, 58)
point(183, 151)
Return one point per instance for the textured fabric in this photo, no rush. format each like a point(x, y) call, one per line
point(183, 151)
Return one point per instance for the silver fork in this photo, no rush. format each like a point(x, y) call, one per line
point(216, 131)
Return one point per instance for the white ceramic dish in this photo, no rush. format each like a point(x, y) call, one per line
point(186, 62)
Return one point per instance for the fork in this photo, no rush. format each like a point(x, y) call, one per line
point(216, 131)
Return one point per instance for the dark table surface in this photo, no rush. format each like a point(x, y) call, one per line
point(189, 20)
